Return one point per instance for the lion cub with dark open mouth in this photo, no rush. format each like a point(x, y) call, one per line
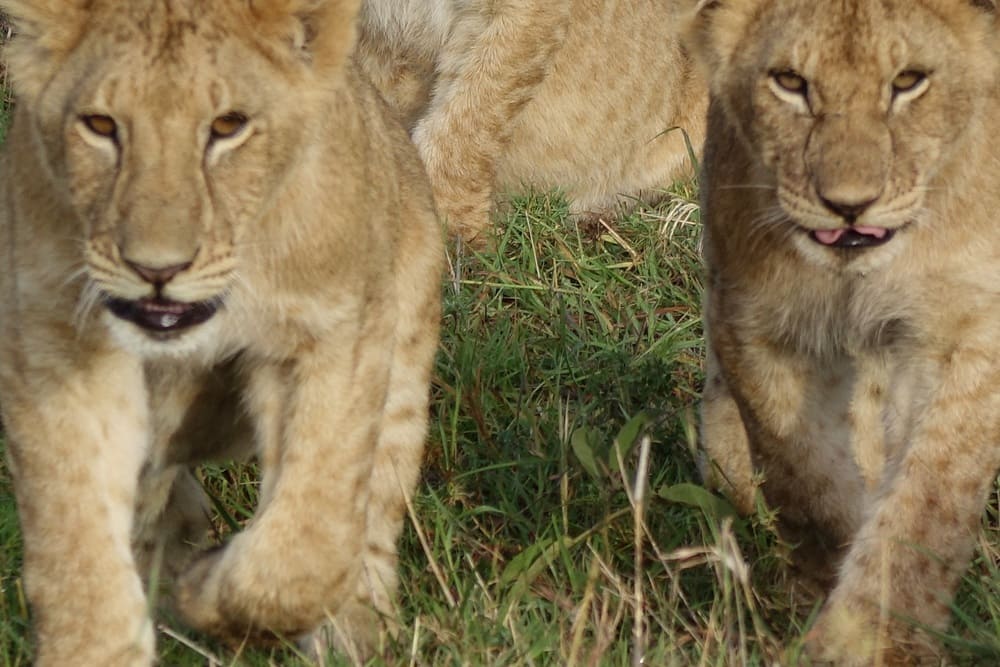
point(207, 215)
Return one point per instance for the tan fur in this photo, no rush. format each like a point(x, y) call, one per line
point(313, 226)
point(862, 384)
point(581, 95)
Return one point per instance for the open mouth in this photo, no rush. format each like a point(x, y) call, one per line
point(852, 237)
point(162, 316)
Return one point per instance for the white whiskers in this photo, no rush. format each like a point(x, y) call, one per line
point(90, 296)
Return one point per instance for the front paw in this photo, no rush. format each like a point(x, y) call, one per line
point(848, 637)
point(461, 175)
point(209, 598)
point(240, 593)
point(465, 208)
point(838, 639)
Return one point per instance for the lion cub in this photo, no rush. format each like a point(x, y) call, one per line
point(208, 219)
point(589, 96)
point(851, 189)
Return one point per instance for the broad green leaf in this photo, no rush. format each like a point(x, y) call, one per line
point(584, 442)
point(626, 440)
point(692, 495)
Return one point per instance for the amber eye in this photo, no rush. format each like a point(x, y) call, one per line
point(102, 126)
point(790, 81)
point(228, 125)
point(907, 80)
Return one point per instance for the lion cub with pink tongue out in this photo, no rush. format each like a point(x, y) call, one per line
point(851, 192)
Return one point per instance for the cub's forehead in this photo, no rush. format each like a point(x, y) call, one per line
point(814, 36)
point(165, 31)
point(179, 53)
point(159, 20)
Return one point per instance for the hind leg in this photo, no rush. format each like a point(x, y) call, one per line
point(493, 62)
point(197, 417)
point(172, 524)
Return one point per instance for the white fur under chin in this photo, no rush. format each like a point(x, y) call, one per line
point(201, 342)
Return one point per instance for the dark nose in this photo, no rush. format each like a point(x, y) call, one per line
point(849, 211)
point(158, 276)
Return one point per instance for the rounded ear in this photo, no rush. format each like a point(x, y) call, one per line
point(710, 29)
point(988, 5)
point(324, 32)
point(44, 31)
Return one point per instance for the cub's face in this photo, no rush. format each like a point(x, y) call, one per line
point(850, 107)
point(172, 126)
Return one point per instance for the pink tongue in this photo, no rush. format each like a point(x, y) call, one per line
point(831, 236)
point(877, 232)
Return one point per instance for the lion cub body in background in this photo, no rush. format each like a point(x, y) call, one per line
point(208, 218)
point(851, 188)
point(588, 96)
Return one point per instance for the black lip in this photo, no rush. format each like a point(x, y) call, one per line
point(162, 316)
point(852, 240)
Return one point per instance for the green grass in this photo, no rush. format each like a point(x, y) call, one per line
point(5, 96)
point(522, 548)
point(6, 104)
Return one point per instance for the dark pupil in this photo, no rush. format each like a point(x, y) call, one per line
point(102, 125)
point(227, 125)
